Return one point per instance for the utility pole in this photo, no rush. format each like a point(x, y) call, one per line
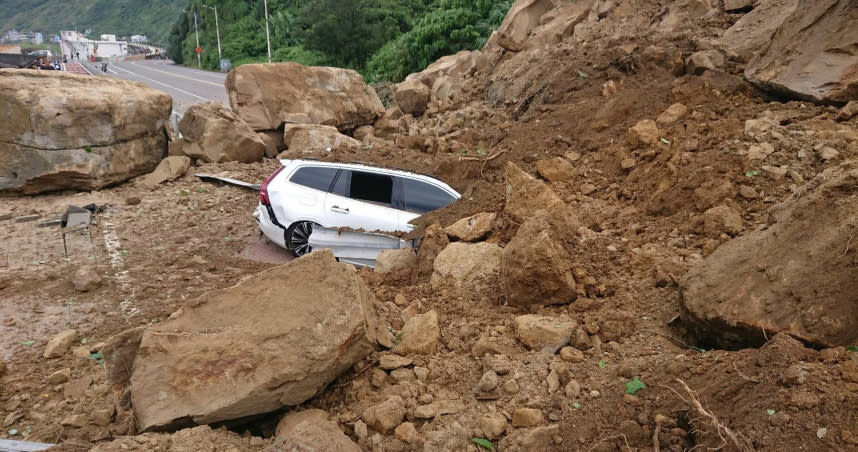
point(197, 34)
point(217, 30)
point(267, 35)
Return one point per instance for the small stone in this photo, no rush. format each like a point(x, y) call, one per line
point(493, 425)
point(632, 400)
point(60, 344)
point(403, 374)
point(774, 172)
point(627, 164)
point(760, 151)
point(132, 200)
point(573, 389)
point(643, 133)
point(419, 335)
point(60, 376)
point(86, 280)
point(796, 176)
point(498, 363)
point(537, 331)
point(385, 416)
point(527, 417)
point(553, 380)
point(587, 189)
point(595, 394)
point(573, 156)
point(102, 417)
point(378, 378)
point(510, 387)
point(673, 113)
point(75, 420)
point(390, 361)
point(795, 375)
point(406, 432)
point(571, 354)
point(747, 192)
point(400, 300)
point(488, 382)
point(426, 411)
point(722, 219)
point(361, 430)
point(828, 153)
point(422, 373)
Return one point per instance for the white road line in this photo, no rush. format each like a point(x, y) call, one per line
point(112, 245)
point(164, 84)
point(84, 68)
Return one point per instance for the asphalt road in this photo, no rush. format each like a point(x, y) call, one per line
point(187, 86)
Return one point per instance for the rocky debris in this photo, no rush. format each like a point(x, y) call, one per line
point(557, 169)
point(538, 332)
point(473, 228)
point(385, 416)
point(527, 417)
point(211, 132)
point(828, 153)
point(268, 95)
point(722, 220)
point(389, 124)
point(86, 280)
point(521, 19)
point(810, 55)
point(525, 195)
point(222, 345)
point(794, 276)
point(407, 432)
point(419, 335)
point(59, 344)
point(706, 60)
point(171, 168)
point(434, 241)
point(395, 260)
point(104, 132)
point(412, 97)
point(391, 362)
point(774, 172)
point(312, 430)
point(59, 377)
point(644, 133)
point(197, 439)
point(760, 151)
point(364, 134)
point(848, 111)
point(313, 137)
point(472, 266)
point(535, 269)
point(674, 113)
point(493, 425)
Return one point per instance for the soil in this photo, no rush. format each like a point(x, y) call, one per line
point(643, 229)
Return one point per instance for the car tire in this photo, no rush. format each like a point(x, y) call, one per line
point(298, 237)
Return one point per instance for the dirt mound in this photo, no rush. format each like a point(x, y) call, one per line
point(796, 276)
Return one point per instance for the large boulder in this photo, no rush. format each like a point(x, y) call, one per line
point(812, 55)
point(412, 97)
point(472, 266)
point(525, 195)
point(522, 18)
point(171, 168)
point(750, 34)
point(535, 268)
point(442, 78)
point(797, 276)
point(274, 340)
point(269, 95)
point(62, 131)
point(313, 137)
point(213, 133)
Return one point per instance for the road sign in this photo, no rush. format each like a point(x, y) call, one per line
point(198, 49)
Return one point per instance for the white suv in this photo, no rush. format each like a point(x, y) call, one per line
point(305, 193)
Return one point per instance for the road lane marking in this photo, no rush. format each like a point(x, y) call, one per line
point(164, 84)
point(180, 76)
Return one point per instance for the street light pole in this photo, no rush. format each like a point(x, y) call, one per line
point(197, 34)
point(217, 30)
point(267, 35)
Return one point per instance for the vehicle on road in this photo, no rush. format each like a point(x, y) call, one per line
point(303, 194)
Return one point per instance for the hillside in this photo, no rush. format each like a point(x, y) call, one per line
point(121, 17)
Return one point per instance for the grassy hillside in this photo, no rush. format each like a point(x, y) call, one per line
point(152, 18)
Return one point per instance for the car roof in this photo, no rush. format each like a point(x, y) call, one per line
point(296, 163)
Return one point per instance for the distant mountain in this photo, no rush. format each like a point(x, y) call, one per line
point(152, 18)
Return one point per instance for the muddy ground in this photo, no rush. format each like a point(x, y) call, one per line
point(641, 212)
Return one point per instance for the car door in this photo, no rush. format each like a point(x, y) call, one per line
point(419, 197)
point(304, 197)
point(362, 200)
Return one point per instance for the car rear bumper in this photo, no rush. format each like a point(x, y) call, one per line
point(272, 231)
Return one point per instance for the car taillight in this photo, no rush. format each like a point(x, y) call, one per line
point(263, 189)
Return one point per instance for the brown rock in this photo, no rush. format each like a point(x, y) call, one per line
point(848, 111)
point(193, 367)
point(644, 133)
point(706, 60)
point(105, 131)
point(526, 195)
point(266, 95)
point(722, 220)
point(213, 133)
point(535, 268)
point(171, 168)
point(407, 432)
point(537, 331)
point(673, 113)
point(754, 30)
point(493, 425)
point(395, 260)
point(75, 420)
point(314, 137)
point(412, 97)
point(390, 362)
point(473, 228)
point(385, 416)
point(522, 18)
point(312, 430)
point(86, 280)
point(434, 241)
point(419, 335)
point(527, 417)
point(59, 344)
point(60, 376)
point(557, 169)
point(472, 266)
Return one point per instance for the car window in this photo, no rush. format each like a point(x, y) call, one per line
point(421, 197)
point(316, 177)
point(375, 188)
point(341, 186)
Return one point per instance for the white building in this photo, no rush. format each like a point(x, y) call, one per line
point(38, 38)
point(73, 44)
point(139, 38)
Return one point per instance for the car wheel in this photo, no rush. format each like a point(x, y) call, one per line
point(298, 237)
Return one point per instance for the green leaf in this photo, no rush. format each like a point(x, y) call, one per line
point(752, 173)
point(634, 386)
point(602, 364)
point(853, 349)
point(84, 341)
point(701, 350)
point(664, 140)
point(576, 405)
point(13, 432)
point(583, 74)
point(97, 355)
point(28, 343)
point(484, 443)
point(770, 412)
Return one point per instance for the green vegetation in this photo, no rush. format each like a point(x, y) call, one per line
point(383, 39)
point(120, 17)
